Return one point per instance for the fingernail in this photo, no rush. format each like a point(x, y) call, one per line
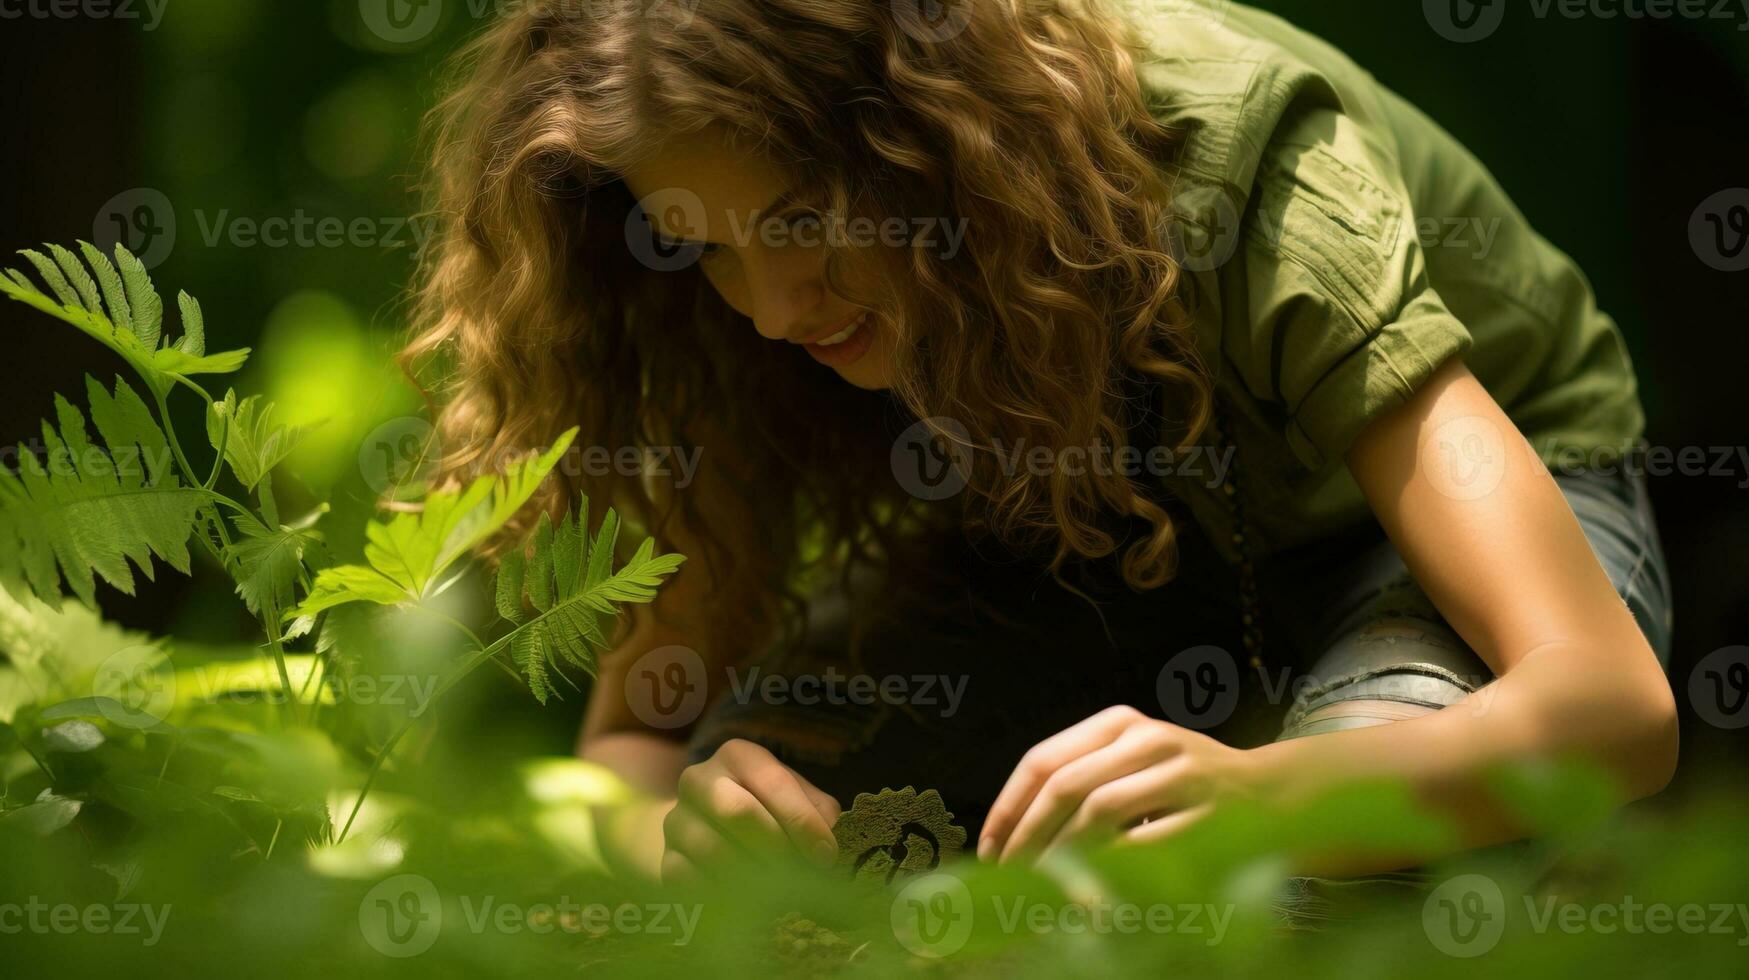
point(986, 848)
point(825, 853)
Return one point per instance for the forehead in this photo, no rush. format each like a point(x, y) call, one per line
point(705, 170)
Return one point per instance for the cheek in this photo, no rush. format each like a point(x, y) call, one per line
point(732, 287)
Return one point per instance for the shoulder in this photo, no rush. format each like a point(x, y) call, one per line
point(1293, 221)
point(1229, 80)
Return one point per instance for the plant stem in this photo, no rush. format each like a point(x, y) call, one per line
point(219, 460)
point(170, 433)
point(270, 620)
point(270, 625)
point(467, 667)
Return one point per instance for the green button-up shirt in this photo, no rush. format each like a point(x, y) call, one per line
point(1339, 247)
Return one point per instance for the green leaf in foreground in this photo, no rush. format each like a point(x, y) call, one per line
point(409, 554)
point(266, 562)
point(109, 709)
point(570, 582)
point(253, 444)
point(89, 510)
point(117, 305)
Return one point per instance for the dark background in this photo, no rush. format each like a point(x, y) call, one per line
point(1609, 133)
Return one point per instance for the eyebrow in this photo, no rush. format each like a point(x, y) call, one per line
point(784, 199)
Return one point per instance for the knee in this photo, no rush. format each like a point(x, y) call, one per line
point(1392, 669)
point(1358, 713)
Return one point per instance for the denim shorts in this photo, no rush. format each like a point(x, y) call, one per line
point(946, 686)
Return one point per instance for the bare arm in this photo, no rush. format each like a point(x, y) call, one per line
point(689, 817)
point(1503, 557)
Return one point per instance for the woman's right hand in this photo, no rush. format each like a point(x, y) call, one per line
point(742, 800)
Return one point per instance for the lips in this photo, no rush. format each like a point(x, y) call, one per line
point(837, 333)
point(846, 345)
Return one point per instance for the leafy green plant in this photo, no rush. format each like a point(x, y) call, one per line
point(130, 499)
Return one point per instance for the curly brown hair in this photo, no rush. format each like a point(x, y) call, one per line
point(1026, 121)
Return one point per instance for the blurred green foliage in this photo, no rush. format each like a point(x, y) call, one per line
point(226, 823)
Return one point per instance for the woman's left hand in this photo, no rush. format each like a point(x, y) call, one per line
point(1119, 774)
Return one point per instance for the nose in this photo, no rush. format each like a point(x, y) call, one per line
point(786, 293)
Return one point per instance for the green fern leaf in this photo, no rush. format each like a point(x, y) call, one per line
point(408, 556)
point(193, 325)
point(82, 282)
point(148, 310)
point(52, 275)
point(115, 295)
point(89, 512)
point(117, 305)
point(573, 606)
point(253, 444)
point(530, 657)
point(266, 563)
point(539, 581)
point(507, 591)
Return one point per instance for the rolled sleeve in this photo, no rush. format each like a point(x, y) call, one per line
point(1340, 323)
point(1378, 374)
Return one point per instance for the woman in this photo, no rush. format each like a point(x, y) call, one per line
point(1114, 369)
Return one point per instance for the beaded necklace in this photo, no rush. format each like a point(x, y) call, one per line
point(1251, 607)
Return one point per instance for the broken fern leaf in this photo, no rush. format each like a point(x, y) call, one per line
point(570, 586)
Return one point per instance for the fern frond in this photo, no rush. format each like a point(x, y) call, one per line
point(408, 556)
point(253, 445)
point(118, 305)
point(266, 563)
point(89, 510)
point(570, 582)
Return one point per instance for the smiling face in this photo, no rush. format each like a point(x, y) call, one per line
point(762, 253)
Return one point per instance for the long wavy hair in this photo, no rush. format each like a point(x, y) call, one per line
point(1024, 118)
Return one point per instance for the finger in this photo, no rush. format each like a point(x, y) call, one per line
point(823, 801)
point(676, 868)
point(1039, 764)
point(1160, 828)
point(694, 837)
point(713, 792)
point(779, 790)
point(1063, 793)
point(1109, 809)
